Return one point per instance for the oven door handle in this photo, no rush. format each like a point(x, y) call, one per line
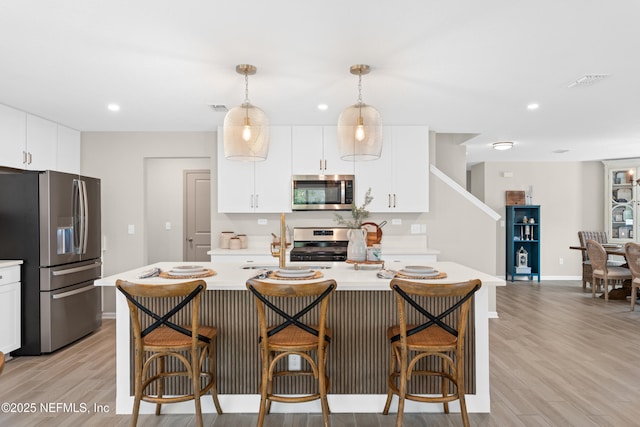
point(73, 292)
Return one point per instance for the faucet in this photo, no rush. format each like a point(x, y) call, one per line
point(282, 252)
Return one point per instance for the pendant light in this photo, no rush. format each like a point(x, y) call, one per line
point(246, 127)
point(360, 126)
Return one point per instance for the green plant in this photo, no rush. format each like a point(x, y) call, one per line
point(359, 214)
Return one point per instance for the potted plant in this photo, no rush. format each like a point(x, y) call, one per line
point(357, 247)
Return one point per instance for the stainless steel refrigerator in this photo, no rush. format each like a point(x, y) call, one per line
point(51, 221)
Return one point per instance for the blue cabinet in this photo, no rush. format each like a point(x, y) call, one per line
point(523, 241)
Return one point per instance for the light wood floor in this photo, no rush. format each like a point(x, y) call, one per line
point(558, 358)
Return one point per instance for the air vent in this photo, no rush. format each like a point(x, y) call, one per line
point(219, 108)
point(587, 80)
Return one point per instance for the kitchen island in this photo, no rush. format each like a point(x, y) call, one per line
point(360, 311)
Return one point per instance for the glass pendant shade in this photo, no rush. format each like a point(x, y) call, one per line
point(246, 128)
point(246, 134)
point(360, 133)
point(360, 126)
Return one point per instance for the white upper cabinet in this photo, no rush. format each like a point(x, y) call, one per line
point(257, 186)
point(399, 179)
point(31, 142)
point(315, 151)
point(68, 156)
point(41, 148)
point(13, 130)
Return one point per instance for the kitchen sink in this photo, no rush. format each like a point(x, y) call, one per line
point(275, 267)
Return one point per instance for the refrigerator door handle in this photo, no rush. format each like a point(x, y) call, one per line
point(76, 269)
point(74, 292)
point(85, 216)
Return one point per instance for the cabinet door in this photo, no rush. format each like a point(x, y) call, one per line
point(42, 138)
point(621, 203)
point(235, 183)
point(9, 310)
point(333, 164)
point(68, 156)
point(306, 150)
point(12, 137)
point(377, 175)
point(399, 180)
point(273, 176)
point(410, 168)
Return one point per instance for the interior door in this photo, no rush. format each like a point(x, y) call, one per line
point(197, 215)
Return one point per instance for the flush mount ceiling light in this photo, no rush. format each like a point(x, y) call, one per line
point(502, 145)
point(246, 127)
point(360, 126)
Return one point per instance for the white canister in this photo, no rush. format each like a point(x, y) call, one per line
point(225, 236)
point(374, 253)
point(243, 241)
point(234, 243)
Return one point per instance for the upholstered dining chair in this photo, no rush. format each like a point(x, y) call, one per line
point(440, 337)
point(632, 253)
point(283, 333)
point(587, 271)
point(175, 339)
point(602, 271)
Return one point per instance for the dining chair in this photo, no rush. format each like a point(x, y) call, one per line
point(1, 361)
point(583, 236)
point(632, 253)
point(162, 344)
point(440, 337)
point(602, 271)
point(284, 333)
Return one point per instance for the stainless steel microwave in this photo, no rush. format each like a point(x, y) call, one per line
point(322, 192)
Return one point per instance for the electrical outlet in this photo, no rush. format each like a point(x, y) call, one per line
point(131, 229)
point(561, 261)
point(167, 225)
point(262, 221)
point(294, 362)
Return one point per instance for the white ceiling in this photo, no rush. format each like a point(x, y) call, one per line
point(463, 66)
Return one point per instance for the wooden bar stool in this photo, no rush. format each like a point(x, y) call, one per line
point(292, 334)
point(410, 343)
point(163, 341)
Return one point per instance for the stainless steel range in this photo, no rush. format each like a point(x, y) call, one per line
point(319, 244)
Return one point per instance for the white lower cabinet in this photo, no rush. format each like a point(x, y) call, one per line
point(257, 186)
point(9, 308)
point(399, 179)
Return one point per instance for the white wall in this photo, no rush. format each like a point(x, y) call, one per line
point(571, 198)
point(118, 159)
point(164, 181)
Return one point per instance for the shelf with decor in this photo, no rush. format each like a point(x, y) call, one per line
point(522, 254)
point(621, 199)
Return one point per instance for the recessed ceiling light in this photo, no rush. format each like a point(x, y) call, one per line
point(113, 107)
point(323, 107)
point(502, 145)
point(533, 106)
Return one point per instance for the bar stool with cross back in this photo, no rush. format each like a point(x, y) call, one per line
point(440, 336)
point(189, 343)
point(283, 334)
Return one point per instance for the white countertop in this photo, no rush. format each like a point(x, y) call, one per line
point(9, 263)
point(231, 276)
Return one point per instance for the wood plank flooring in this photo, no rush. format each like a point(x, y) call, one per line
point(558, 358)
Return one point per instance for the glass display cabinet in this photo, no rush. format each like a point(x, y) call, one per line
point(621, 201)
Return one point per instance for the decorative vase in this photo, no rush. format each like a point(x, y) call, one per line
point(357, 247)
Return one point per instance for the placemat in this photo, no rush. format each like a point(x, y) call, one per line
point(316, 275)
point(209, 272)
point(441, 275)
